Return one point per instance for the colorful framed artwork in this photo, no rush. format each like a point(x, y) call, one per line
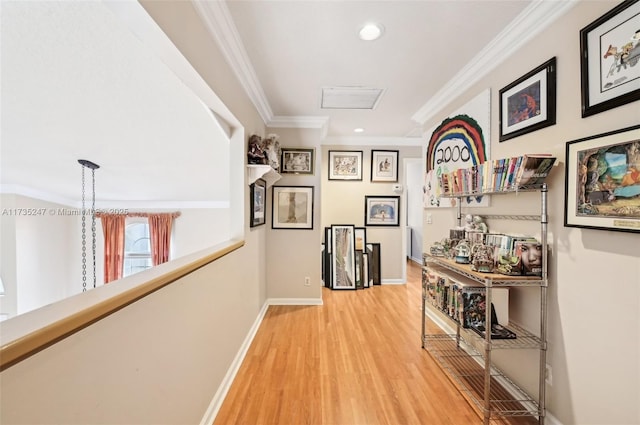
point(529, 103)
point(609, 56)
point(382, 210)
point(384, 166)
point(292, 207)
point(343, 258)
point(258, 195)
point(345, 165)
point(602, 186)
point(297, 161)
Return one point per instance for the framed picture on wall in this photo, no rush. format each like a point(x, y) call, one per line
point(384, 166)
point(292, 207)
point(609, 56)
point(345, 165)
point(529, 103)
point(382, 210)
point(343, 256)
point(258, 195)
point(297, 161)
point(602, 186)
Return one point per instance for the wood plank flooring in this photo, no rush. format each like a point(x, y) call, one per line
point(355, 360)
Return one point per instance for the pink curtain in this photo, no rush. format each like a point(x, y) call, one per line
point(113, 229)
point(160, 232)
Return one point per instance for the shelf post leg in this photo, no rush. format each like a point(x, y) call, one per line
point(487, 354)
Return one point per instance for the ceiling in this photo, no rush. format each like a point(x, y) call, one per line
point(69, 68)
point(298, 47)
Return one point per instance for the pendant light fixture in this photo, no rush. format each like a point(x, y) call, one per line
point(93, 167)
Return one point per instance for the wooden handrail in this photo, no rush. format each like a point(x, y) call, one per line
point(25, 346)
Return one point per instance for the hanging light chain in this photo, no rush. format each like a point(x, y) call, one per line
point(93, 167)
point(84, 239)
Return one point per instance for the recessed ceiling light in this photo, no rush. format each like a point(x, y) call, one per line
point(358, 130)
point(371, 32)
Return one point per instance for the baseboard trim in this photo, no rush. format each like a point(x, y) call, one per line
point(294, 301)
point(212, 411)
point(393, 282)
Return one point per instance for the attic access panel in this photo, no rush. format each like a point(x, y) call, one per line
point(350, 97)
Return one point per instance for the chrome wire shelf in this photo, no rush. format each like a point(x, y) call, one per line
point(465, 366)
point(497, 192)
point(495, 278)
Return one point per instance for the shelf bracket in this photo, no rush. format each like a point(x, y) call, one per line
point(265, 172)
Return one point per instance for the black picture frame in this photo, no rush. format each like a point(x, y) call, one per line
point(292, 207)
point(605, 51)
point(373, 252)
point(604, 197)
point(529, 103)
point(297, 161)
point(345, 165)
point(384, 166)
point(343, 257)
point(258, 197)
point(328, 283)
point(382, 211)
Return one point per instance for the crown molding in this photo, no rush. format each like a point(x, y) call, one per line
point(29, 192)
point(373, 141)
point(298, 122)
point(528, 24)
point(219, 23)
point(318, 122)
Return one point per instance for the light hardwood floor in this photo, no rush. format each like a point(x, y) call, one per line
point(357, 359)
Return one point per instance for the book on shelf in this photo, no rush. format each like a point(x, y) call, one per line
point(534, 169)
point(530, 254)
point(497, 330)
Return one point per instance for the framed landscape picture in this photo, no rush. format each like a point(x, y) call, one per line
point(292, 207)
point(297, 161)
point(258, 193)
point(609, 57)
point(343, 256)
point(382, 210)
point(529, 103)
point(345, 165)
point(602, 187)
point(384, 166)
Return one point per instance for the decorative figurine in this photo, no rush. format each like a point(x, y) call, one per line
point(462, 252)
point(272, 151)
point(437, 250)
point(482, 259)
point(255, 153)
point(479, 224)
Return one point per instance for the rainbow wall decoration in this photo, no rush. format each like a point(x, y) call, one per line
point(460, 141)
point(461, 128)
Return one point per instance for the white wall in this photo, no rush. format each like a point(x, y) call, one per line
point(413, 183)
point(292, 254)
point(594, 290)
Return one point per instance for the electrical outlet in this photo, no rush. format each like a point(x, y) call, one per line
point(307, 281)
point(548, 375)
point(429, 219)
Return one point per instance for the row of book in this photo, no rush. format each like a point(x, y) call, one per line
point(497, 175)
point(465, 302)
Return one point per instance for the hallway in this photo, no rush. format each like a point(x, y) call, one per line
point(357, 359)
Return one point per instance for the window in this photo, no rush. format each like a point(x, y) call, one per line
point(137, 247)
